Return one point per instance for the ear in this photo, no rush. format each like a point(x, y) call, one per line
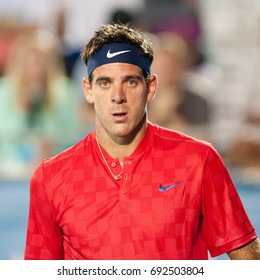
point(87, 90)
point(152, 87)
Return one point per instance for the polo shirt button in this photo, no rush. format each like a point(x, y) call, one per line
point(125, 177)
point(113, 164)
point(124, 192)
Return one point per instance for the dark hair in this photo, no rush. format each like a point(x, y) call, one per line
point(117, 33)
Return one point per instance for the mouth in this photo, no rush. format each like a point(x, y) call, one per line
point(119, 116)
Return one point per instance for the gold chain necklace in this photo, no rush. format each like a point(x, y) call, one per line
point(116, 177)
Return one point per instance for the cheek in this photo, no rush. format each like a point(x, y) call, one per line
point(139, 108)
point(100, 107)
point(143, 99)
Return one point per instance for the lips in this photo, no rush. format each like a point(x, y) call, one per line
point(120, 116)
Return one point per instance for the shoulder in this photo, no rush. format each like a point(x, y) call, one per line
point(164, 138)
point(64, 162)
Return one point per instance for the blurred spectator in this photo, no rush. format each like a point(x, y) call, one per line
point(72, 23)
point(177, 105)
point(23, 13)
point(231, 36)
point(17, 16)
point(38, 109)
point(122, 16)
point(180, 17)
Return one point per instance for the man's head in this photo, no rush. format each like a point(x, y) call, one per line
point(118, 43)
point(119, 83)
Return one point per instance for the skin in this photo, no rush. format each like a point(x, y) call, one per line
point(250, 251)
point(120, 95)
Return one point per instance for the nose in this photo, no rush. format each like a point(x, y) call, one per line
point(118, 95)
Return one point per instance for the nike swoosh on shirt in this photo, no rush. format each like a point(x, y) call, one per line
point(110, 55)
point(163, 189)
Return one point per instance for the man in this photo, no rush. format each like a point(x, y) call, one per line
point(132, 189)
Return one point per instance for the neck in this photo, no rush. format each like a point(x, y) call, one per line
point(121, 146)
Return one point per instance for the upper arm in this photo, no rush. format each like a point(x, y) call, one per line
point(250, 251)
point(44, 239)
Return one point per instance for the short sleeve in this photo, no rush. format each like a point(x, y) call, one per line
point(225, 221)
point(44, 238)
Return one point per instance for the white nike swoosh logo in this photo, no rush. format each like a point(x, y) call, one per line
point(110, 55)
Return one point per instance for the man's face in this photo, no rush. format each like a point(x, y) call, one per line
point(120, 95)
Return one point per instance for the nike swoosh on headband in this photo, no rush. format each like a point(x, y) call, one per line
point(110, 55)
point(163, 189)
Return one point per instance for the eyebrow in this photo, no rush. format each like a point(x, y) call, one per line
point(126, 78)
point(137, 77)
point(103, 79)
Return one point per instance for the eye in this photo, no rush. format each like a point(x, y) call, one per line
point(104, 83)
point(132, 82)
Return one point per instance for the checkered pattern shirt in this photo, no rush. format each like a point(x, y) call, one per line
point(174, 200)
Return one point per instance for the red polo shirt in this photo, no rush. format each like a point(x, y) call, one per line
point(174, 200)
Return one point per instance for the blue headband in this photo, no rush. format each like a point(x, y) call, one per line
point(118, 52)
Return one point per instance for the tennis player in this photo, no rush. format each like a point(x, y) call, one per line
point(132, 189)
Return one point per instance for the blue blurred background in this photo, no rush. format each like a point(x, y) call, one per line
point(208, 64)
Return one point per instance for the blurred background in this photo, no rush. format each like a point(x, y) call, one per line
point(207, 58)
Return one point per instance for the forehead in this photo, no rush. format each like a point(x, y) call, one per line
point(118, 69)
